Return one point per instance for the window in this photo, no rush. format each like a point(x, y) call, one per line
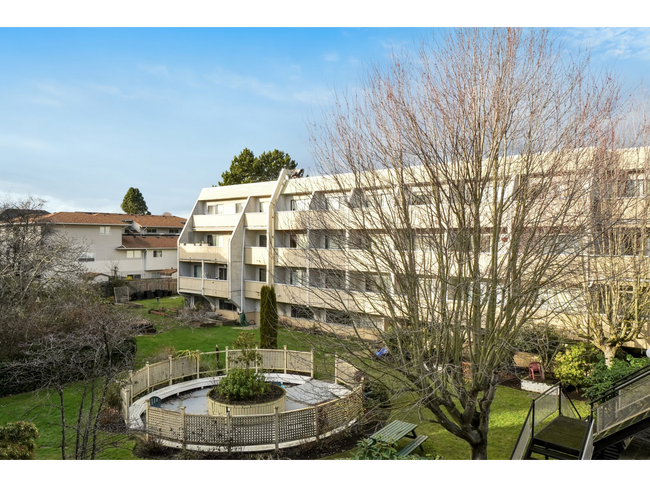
point(335, 279)
point(152, 230)
point(297, 277)
point(134, 254)
point(297, 241)
point(215, 209)
point(633, 188)
point(302, 312)
point(419, 199)
point(239, 207)
point(174, 230)
point(299, 205)
point(227, 305)
point(262, 241)
point(134, 276)
point(104, 230)
point(264, 206)
point(215, 240)
point(157, 253)
point(222, 273)
point(333, 202)
point(375, 283)
point(196, 270)
point(332, 242)
point(261, 274)
point(87, 257)
point(338, 317)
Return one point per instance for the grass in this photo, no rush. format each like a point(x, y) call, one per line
point(508, 410)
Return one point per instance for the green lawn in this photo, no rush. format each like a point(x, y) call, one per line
point(508, 410)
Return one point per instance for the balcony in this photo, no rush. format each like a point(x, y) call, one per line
point(289, 257)
point(256, 255)
point(202, 252)
point(209, 223)
point(256, 220)
point(209, 287)
point(252, 289)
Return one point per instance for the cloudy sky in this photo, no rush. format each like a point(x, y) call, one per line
point(87, 113)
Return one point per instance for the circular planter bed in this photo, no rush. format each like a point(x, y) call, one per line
point(261, 405)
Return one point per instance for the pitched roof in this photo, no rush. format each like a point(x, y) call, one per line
point(88, 218)
point(148, 242)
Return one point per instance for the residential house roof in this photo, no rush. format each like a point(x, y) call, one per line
point(138, 242)
point(89, 218)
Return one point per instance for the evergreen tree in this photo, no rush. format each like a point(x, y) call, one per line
point(246, 168)
point(268, 318)
point(134, 203)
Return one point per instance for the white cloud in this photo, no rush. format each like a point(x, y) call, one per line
point(610, 42)
point(159, 70)
point(11, 141)
point(331, 57)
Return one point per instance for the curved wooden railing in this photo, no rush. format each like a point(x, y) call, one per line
point(258, 432)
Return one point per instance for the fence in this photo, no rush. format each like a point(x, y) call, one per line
point(259, 432)
point(630, 401)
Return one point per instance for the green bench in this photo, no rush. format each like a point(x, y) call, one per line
point(397, 430)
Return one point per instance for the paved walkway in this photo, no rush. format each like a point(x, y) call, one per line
point(302, 391)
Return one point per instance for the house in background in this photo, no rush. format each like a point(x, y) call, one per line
point(138, 246)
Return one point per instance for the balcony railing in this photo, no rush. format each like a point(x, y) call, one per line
point(202, 252)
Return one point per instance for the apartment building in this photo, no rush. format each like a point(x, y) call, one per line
point(305, 235)
point(138, 246)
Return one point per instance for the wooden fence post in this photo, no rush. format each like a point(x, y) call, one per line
point(148, 377)
point(198, 364)
point(130, 385)
point(277, 428)
point(171, 369)
point(227, 360)
point(183, 427)
point(312, 363)
point(285, 359)
point(257, 351)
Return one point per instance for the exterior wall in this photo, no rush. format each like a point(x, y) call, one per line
point(288, 217)
point(108, 255)
point(104, 246)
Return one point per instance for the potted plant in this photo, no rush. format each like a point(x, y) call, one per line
point(243, 391)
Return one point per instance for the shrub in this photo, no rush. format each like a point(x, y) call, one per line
point(575, 363)
point(268, 318)
point(243, 382)
point(18, 440)
point(602, 377)
point(370, 449)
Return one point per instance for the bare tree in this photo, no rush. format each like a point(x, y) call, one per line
point(89, 350)
point(612, 296)
point(35, 263)
point(457, 184)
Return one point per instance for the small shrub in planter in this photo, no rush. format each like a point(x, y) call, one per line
point(243, 383)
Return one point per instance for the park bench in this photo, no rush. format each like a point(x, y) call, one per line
point(397, 430)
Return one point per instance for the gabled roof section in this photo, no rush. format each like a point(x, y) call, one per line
point(137, 242)
point(122, 219)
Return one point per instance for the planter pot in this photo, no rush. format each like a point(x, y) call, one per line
point(534, 386)
point(216, 408)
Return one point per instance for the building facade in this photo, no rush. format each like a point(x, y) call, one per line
point(305, 235)
point(134, 246)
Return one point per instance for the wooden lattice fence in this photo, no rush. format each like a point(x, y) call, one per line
point(269, 430)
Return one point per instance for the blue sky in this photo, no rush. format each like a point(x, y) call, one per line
point(87, 113)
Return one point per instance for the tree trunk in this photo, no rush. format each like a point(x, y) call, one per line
point(610, 353)
point(479, 451)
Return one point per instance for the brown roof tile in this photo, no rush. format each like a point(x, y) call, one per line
point(79, 217)
point(148, 242)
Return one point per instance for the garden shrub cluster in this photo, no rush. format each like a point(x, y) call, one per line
point(583, 366)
